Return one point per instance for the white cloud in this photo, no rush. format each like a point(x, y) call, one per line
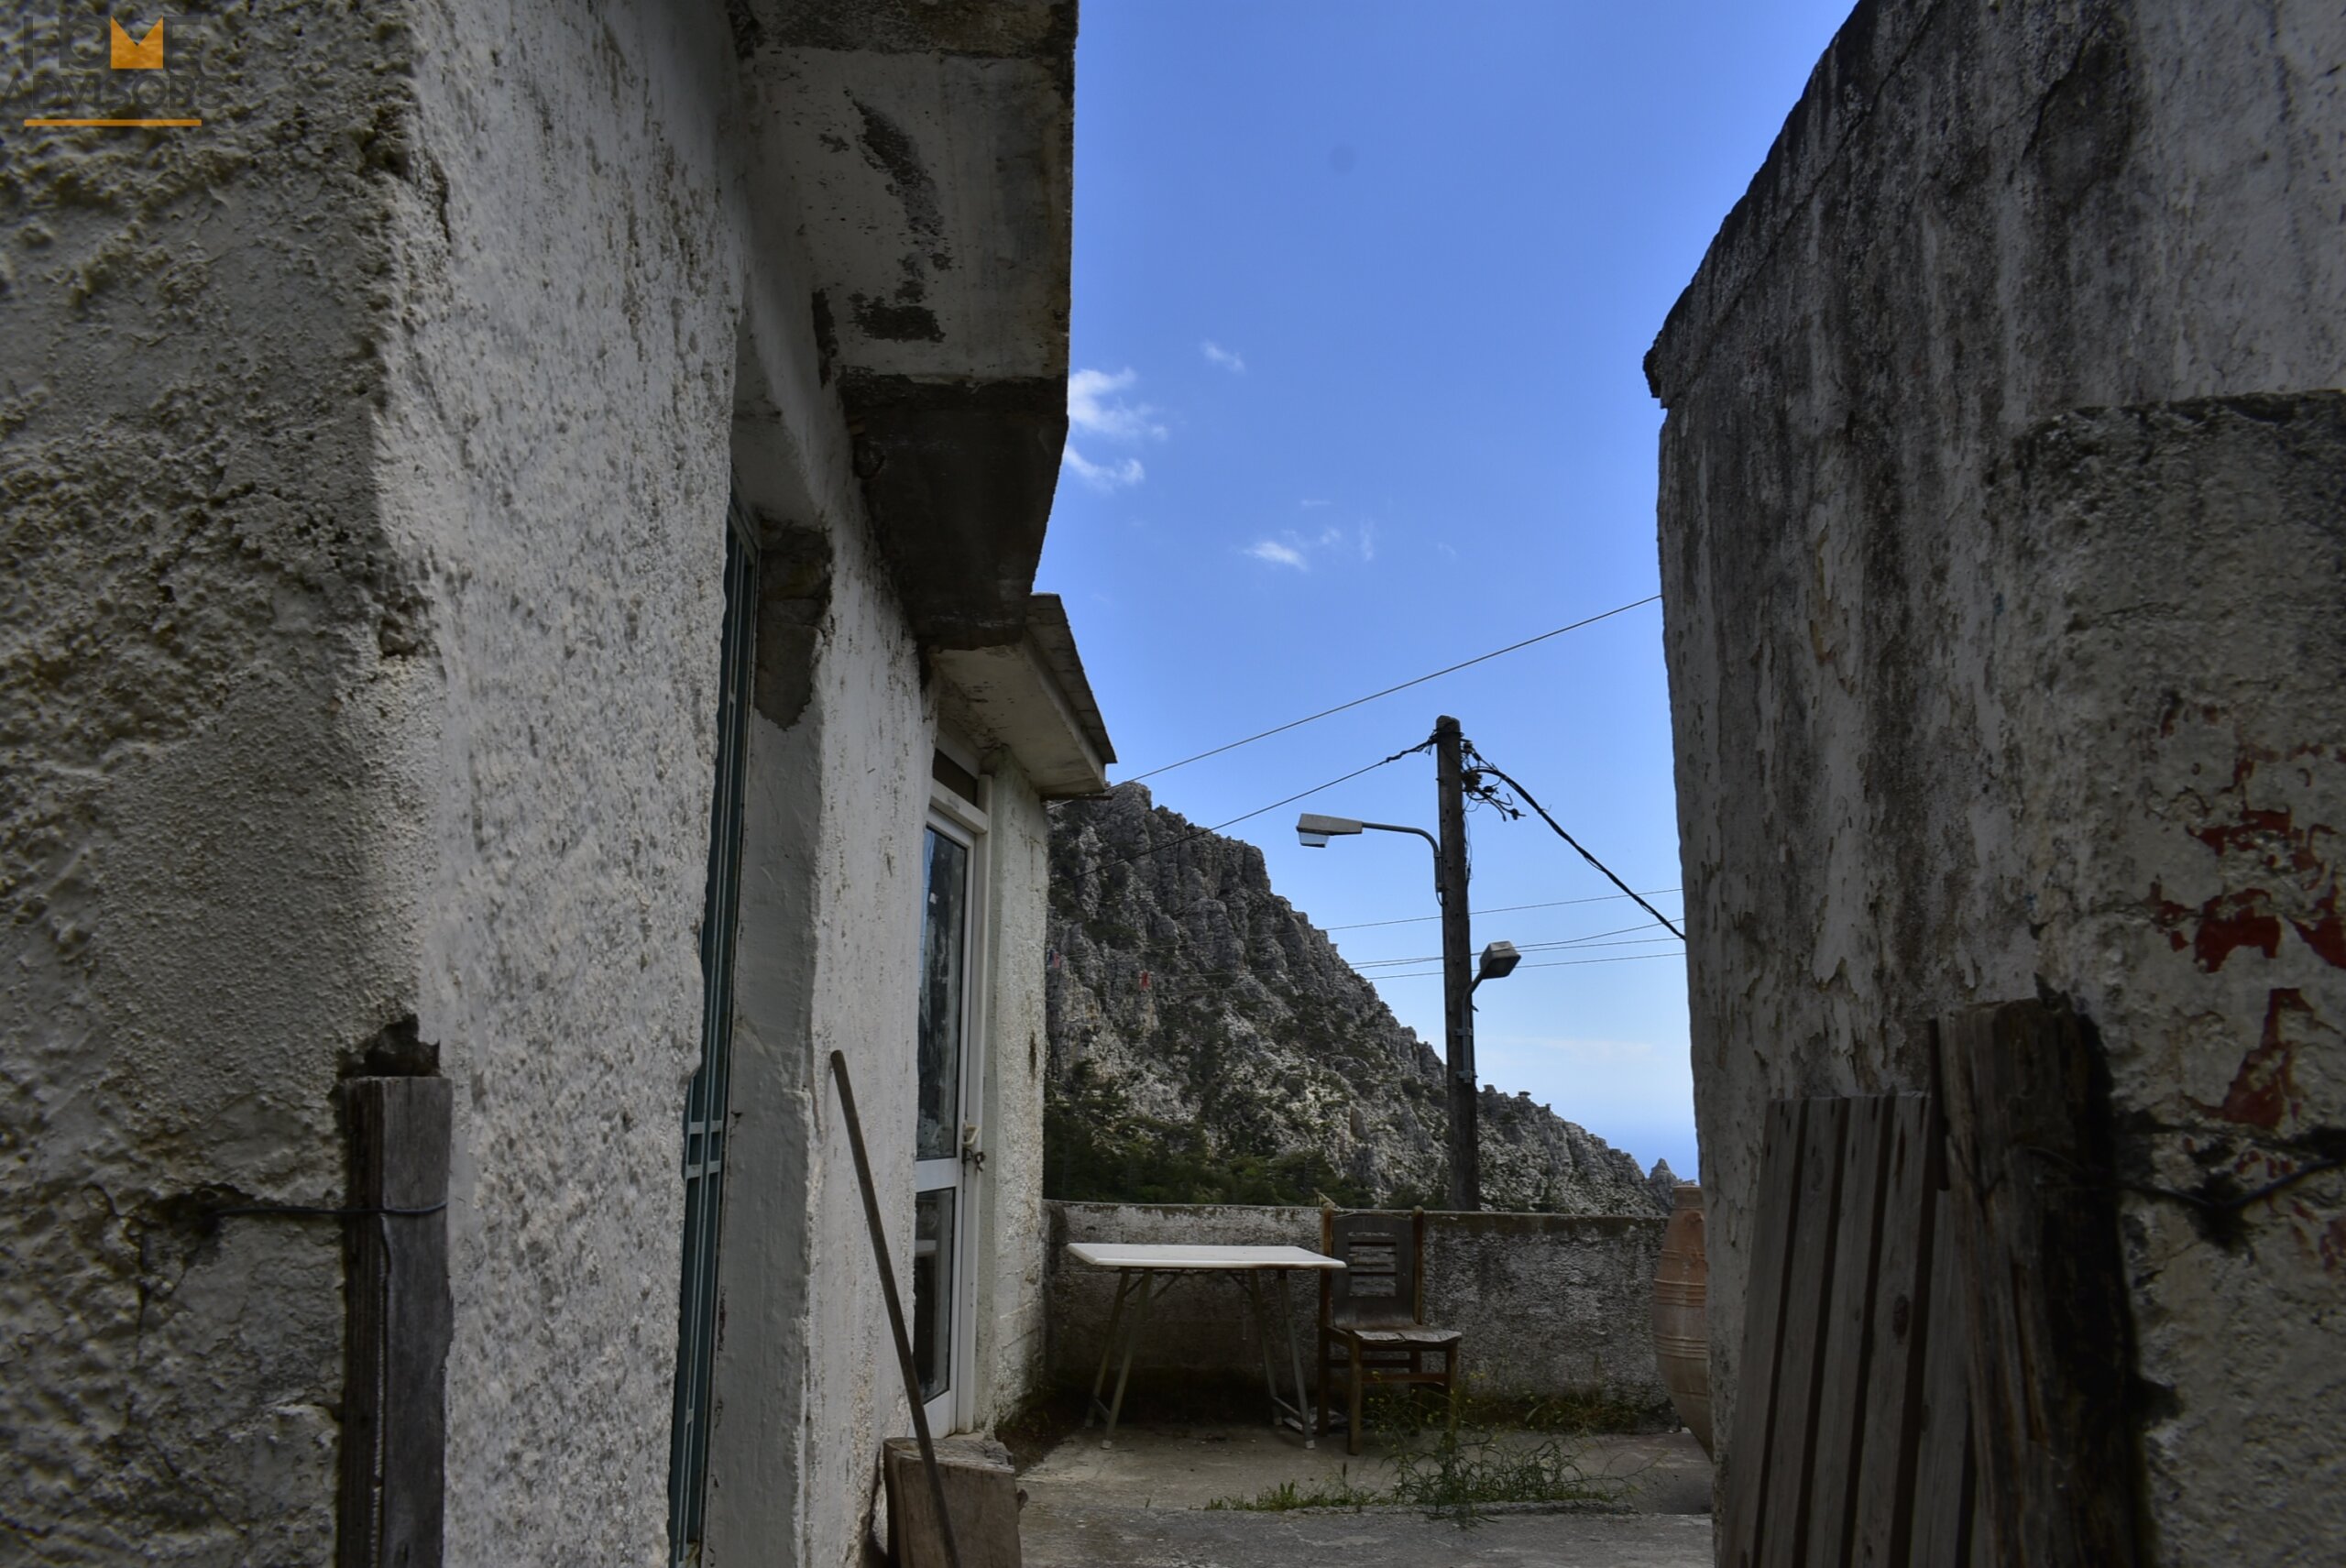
point(1094, 409)
point(1217, 355)
point(1112, 474)
point(1280, 554)
point(1368, 542)
point(1308, 504)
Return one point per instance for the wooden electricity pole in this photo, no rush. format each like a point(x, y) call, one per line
point(1457, 968)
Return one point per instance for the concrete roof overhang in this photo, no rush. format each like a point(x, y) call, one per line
point(1031, 698)
point(928, 153)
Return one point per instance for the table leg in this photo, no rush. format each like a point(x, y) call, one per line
point(1263, 1332)
point(1131, 1338)
point(1108, 1346)
point(1295, 1359)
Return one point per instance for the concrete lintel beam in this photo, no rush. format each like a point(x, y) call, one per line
point(1025, 697)
point(926, 151)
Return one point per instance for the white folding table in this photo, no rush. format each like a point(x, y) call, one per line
point(1139, 1268)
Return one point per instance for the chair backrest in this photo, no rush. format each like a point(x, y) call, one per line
point(1382, 1284)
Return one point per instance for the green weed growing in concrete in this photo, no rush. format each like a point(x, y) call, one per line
point(1451, 1466)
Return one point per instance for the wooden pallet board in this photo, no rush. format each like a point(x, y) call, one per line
point(1837, 1337)
point(1936, 1333)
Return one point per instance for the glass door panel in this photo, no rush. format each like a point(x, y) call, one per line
point(933, 1291)
point(944, 959)
point(940, 1051)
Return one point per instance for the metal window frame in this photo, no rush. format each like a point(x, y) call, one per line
point(707, 1099)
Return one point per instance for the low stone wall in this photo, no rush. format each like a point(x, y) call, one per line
point(1549, 1304)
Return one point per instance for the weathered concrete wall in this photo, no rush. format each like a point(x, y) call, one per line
point(210, 810)
point(1013, 1236)
point(2002, 621)
point(1549, 1303)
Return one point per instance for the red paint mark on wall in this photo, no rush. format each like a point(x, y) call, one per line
point(2264, 1091)
point(2277, 875)
point(2325, 933)
point(2333, 1246)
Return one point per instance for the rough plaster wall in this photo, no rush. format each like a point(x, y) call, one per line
point(877, 729)
point(210, 669)
point(1012, 1242)
point(1976, 221)
point(1549, 1304)
point(555, 452)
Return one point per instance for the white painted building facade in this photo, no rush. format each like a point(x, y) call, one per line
point(371, 454)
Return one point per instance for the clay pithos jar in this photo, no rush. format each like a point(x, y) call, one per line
point(1682, 1342)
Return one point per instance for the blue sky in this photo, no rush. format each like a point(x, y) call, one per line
point(1362, 293)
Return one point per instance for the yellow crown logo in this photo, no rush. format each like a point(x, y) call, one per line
point(137, 54)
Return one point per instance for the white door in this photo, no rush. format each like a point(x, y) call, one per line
point(948, 1066)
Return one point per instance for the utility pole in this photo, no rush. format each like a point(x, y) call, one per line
point(1457, 968)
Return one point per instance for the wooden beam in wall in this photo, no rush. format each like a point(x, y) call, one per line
point(394, 1414)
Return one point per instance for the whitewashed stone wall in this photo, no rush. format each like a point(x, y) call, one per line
point(365, 459)
point(214, 673)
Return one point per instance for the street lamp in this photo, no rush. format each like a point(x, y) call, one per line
point(1314, 831)
point(1498, 962)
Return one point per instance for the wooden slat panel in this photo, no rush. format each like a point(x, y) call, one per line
point(1792, 1436)
point(401, 1319)
point(1849, 1331)
point(1943, 1480)
point(1881, 1515)
point(1773, 1236)
point(2033, 1191)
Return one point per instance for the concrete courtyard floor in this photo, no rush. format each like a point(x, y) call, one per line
point(1144, 1504)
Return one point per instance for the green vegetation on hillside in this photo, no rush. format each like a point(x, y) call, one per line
point(1097, 1149)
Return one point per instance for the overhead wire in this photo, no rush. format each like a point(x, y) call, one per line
point(1388, 691)
point(1478, 763)
point(1289, 800)
point(1502, 909)
point(1530, 946)
point(1550, 963)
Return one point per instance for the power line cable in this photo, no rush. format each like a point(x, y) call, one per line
point(1388, 691)
point(1581, 946)
point(1290, 800)
point(1480, 765)
point(1586, 939)
point(1550, 963)
point(1502, 909)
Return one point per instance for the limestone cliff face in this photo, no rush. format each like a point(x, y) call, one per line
point(1207, 1042)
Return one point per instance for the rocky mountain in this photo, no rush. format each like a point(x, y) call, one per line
point(1208, 1044)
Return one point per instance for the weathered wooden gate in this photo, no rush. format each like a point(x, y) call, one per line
point(1935, 1343)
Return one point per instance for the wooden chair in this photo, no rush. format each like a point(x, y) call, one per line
point(1372, 1311)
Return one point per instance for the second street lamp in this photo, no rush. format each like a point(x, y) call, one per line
point(1457, 984)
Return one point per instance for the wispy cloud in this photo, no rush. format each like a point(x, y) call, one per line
point(1310, 503)
point(1113, 475)
point(1299, 549)
point(1217, 355)
point(1095, 408)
